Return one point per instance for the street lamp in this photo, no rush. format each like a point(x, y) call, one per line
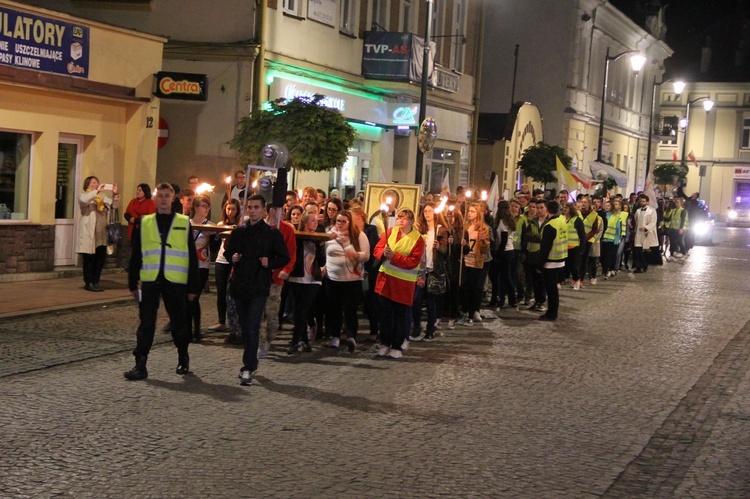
point(423, 90)
point(679, 86)
point(708, 104)
point(636, 63)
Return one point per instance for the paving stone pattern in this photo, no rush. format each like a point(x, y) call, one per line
point(641, 389)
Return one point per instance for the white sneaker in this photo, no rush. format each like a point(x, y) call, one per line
point(246, 378)
point(383, 351)
point(420, 337)
point(577, 285)
point(334, 342)
point(559, 286)
point(351, 345)
point(395, 354)
point(476, 317)
point(451, 324)
point(405, 345)
point(593, 281)
point(438, 324)
point(677, 255)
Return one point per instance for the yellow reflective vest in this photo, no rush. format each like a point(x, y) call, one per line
point(403, 246)
point(560, 246)
point(176, 253)
point(676, 222)
point(573, 241)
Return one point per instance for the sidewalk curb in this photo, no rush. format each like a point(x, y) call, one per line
point(78, 306)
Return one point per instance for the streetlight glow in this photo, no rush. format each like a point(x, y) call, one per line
point(679, 86)
point(637, 62)
point(708, 104)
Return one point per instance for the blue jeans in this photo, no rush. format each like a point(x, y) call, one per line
point(250, 313)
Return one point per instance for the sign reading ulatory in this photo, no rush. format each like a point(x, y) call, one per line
point(44, 44)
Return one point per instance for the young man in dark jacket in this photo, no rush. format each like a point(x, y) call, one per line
point(255, 250)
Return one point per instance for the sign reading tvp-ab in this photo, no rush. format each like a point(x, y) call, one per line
point(181, 86)
point(386, 56)
point(34, 42)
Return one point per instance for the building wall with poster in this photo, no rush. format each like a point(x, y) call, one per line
point(56, 129)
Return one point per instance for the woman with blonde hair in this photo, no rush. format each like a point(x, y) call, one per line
point(201, 207)
point(475, 245)
point(451, 299)
point(94, 202)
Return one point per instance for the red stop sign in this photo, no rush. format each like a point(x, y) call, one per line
point(163, 133)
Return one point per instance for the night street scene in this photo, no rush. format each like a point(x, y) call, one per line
point(375, 248)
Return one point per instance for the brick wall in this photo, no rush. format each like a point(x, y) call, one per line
point(31, 248)
point(26, 248)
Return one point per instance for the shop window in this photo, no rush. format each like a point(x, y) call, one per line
point(348, 15)
point(746, 133)
point(442, 161)
point(438, 18)
point(15, 165)
point(292, 7)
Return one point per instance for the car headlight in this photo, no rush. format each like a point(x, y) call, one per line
point(701, 228)
point(732, 214)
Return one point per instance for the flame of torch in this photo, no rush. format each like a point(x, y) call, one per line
point(204, 188)
point(441, 206)
point(467, 193)
point(484, 195)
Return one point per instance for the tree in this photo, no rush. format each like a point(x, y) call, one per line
point(318, 137)
point(538, 162)
point(670, 173)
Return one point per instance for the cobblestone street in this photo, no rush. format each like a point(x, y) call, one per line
point(640, 389)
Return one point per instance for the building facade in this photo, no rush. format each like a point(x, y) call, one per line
point(75, 100)
point(560, 69)
point(719, 140)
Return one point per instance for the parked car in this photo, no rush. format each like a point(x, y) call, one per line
point(739, 216)
point(702, 225)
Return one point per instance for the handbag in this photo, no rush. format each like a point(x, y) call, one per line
point(436, 284)
point(114, 229)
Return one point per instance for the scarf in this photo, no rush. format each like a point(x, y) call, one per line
point(404, 245)
point(99, 202)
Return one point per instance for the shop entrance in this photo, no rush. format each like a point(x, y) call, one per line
point(69, 155)
point(354, 174)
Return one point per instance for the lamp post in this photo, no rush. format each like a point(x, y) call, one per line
point(636, 63)
point(679, 86)
point(708, 104)
point(423, 92)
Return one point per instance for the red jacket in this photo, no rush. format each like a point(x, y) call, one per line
point(138, 208)
point(287, 231)
point(393, 288)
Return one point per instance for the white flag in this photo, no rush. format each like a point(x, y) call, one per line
point(494, 196)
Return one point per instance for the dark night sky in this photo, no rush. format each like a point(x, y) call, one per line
point(690, 23)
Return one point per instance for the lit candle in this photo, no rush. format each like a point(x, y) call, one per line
point(467, 193)
point(388, 200)
point(299, 194)
point(228, 182)
point(484, 195)
point(204, 188)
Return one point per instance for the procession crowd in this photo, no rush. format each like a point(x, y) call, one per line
point(316, 259)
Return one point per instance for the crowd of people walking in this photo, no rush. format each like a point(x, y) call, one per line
point(316, 260)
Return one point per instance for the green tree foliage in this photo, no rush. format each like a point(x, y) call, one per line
point(538, 162)
point(318, 137)
point(670, 173)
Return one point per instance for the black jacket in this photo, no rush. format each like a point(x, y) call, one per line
point(253, 242)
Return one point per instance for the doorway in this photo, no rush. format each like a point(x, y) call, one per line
point(69, 159)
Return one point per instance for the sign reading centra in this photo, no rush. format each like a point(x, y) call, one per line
point(182, 86)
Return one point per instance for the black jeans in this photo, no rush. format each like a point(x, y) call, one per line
point(639, 258)
point(473, 286)
point(250, 313)
point(175, 301)
point(393, 323)
point(343, 297)
point(551, 276)
point(93, 263)
point(222, 277)
point(304, 297)
point(506, 278)
point(573, 263)
point(609, 251)
point(193, 309)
